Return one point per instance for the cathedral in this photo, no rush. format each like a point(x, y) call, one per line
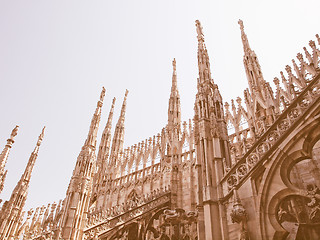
point(248, 169)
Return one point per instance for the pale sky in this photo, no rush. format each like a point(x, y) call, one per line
point(55, 56)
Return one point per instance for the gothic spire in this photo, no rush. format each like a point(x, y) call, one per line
point(118, 137)
point(4, 156)
point(208, 97)
point(210, 134)
point(92, 135)
point(80, 187)
point(12, 210)
point(27, 173)
point(103, 154)
point(252, 66)
point(105, 139)
point(203, 57)
point(261, 101)
point(174, 109)
point(174, 87)
point(245, 42)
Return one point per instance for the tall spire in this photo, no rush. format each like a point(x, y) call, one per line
point(79, 191)
point(12, 210)
point(206, 87)
point(104, 150)
point(261, 101)
point(174, 87)
point(27, 173)
point(92, 135)
point(244, 37)
point(210, 135)
point(174, 109)
point(4, 156)
point(118, 137)
point(105, 140)
point(251, 64)
point(203, 57)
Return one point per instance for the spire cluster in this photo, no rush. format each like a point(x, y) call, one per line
point(200, 160)
point(11, 212)
point(263, 104)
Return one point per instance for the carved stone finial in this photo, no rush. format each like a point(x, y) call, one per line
point(276, 81)
point(232, 104)
point(241, 24)
point(226, 105)
point(174, 65)
point(199, 30)
point(14, 132)
point(312, 44)
point(29, 213)
point(100, 102)
point(103, 93)
point(300, 57)
point(238, 213)
point(113, 102)
point(238, 100)
point(318, 38)
point(40, 138)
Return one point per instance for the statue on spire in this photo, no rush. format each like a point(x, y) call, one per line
point(40, 138)
point(103, 93)
point(174, 65)
point(244, 38)
point(199, 30)
point(14, 132)
point(241, 24)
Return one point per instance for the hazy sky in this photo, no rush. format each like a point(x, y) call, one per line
point(55, 56)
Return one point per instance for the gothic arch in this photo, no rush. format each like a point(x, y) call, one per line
point(128, 232)
point(312, 138)
point(296, 149)
point(274, 204)
point(133, 193)
point(288, 163)
point(149, 224)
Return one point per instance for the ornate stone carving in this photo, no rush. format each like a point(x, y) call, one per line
point(239, 215)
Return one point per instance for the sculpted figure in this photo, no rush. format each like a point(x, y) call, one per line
point(313, 192)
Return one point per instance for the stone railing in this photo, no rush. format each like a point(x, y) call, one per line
point(286, 90)
point(240, 143)
point(102, 222)
point(131, 178)
point(283, 125)
point(41, 223)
